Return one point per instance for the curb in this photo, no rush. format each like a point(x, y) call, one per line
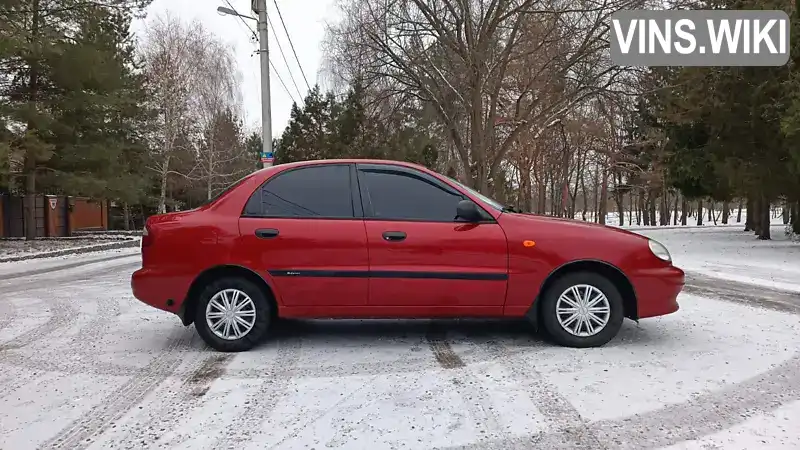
point(74, 251)
point(82, 233)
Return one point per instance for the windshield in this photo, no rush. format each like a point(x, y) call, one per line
point(493, 203)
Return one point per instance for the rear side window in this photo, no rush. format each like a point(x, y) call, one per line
point(314, 192)
point(403, 195)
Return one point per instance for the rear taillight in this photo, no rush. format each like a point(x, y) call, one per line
point(147, 238)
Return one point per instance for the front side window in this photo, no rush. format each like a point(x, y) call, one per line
point(310, 192)
point(403, 195)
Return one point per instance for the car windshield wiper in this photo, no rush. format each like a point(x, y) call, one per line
point(511, 209)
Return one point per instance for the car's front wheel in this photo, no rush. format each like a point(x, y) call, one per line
point(582, 309)
point(232, 315)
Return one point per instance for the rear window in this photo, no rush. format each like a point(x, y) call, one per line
point(226, 190)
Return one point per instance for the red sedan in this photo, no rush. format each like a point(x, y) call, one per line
point(385, 239)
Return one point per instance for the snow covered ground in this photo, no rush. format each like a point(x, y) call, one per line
point(84, 365)
point(731, 254)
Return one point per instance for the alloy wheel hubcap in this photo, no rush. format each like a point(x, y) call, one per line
point(583, 310)
point(230, 314)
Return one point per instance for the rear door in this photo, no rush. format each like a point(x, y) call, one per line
point(304, 228)
point(420, 255)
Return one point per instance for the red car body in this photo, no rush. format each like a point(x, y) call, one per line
point(346, 268)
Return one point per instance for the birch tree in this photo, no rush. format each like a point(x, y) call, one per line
point(171, 51)
point(221, 154)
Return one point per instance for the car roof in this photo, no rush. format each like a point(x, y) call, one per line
point(344, 161)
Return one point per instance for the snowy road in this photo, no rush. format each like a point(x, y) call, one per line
point(84, 365)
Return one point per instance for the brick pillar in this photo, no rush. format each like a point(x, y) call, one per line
point(51, 205)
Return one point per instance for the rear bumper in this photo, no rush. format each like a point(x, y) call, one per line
point(157, 290)
point(657, 290)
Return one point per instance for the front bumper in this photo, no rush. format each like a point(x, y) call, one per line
point(657, 290)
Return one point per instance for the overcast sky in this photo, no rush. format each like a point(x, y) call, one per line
point(305, 22)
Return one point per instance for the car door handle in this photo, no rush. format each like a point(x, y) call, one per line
point(266, 233)
point(393, 235)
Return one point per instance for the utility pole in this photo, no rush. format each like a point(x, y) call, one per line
point(260, 8)
point(267, 157)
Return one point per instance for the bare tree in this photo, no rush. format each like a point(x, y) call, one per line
point(221, 154)
point(459, 56)
point(171, 50)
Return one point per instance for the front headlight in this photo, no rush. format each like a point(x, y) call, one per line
point(659, 250)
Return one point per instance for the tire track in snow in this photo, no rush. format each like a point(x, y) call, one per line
point(61, 309)
point(436, 336)
point(79, 433)
point(704, 414)
point(383, 369)
point(60, 315)
point(63, 279)
point(67, 266)
point(556, 409)
point(734, 291)
point(169, 409)
point(416, 360)
point(8, 312)
point(266, 397)
point(78, 350)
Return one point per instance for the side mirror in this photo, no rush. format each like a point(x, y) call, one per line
point(468, 211)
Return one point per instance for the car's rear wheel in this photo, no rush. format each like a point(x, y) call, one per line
point(582, 309)
point(232, 315)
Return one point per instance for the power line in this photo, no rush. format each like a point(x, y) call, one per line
point(252, 31)
point(291, 44)
point(283, 84)
point(277, 42)
point(255, 36)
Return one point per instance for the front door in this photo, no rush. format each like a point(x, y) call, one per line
point(303, 230)
point(420, 255)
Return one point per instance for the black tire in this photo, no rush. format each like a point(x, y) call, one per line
point(549, 318)
point(263, 313)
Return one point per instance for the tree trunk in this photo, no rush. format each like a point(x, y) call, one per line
point(541, 206)
point(739, 214)
point(639, 208)
point(162, 198)
point(699, 212)
point(652, 209)
point(525, 190)
point(786, 212)
point(664, 219)
point(675, 209)
point(749, 223)
point(126, 214)
point(726, 212)
point(585, 195)
point(764, 234)
point(645, 205)
point(596, 206)
point(602, 210)
point(619, 200)
point(796, 217)
point(757, 216)
point(630, 208)
point(684, 210)
point(710, 210)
